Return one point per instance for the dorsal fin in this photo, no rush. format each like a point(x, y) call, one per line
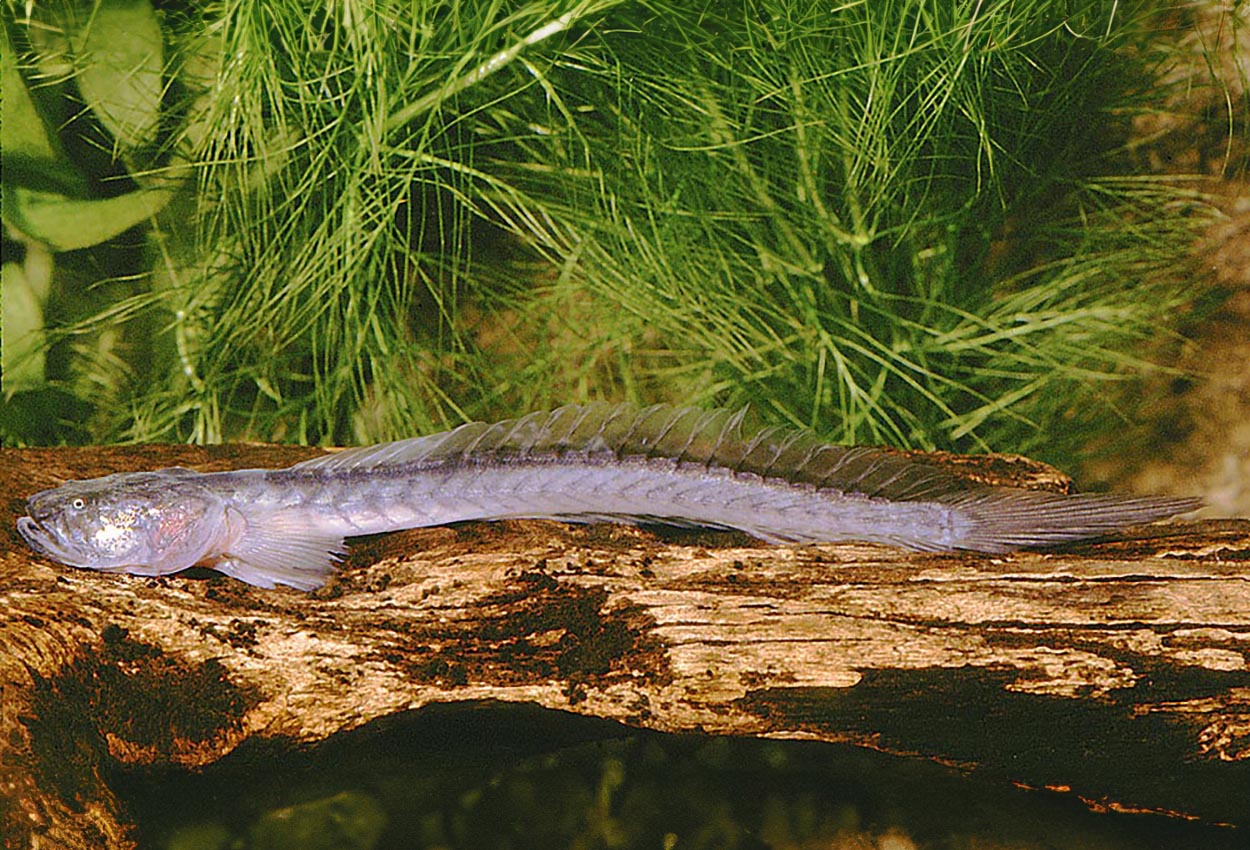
point(685, 434)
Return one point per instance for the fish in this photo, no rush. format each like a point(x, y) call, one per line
point(665, 464)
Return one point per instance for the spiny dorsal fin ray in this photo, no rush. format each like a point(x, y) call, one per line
point(685, 434)
point(1006, 517)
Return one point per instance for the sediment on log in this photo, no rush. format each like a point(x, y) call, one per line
point(1118, 670)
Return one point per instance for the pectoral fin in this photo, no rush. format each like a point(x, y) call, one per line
point(272, 551)
point(306, 577)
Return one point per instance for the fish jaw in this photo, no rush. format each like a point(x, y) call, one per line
point(45, 542)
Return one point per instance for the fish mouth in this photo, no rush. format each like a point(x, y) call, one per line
point(43, 541)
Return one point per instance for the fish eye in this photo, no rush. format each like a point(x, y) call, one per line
point(78, 504)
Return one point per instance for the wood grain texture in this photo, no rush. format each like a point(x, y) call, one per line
point(1119, 671)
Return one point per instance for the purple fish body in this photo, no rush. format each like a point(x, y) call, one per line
point(579, 463)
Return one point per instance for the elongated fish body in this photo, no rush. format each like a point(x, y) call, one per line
point(676, 465)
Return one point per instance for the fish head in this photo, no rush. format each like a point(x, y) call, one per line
point(147, 523)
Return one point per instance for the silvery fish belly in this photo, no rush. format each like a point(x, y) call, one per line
point(597, 462)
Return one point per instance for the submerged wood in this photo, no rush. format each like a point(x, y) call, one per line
point(1117, 671)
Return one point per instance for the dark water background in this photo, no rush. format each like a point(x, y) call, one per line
point(503, 776)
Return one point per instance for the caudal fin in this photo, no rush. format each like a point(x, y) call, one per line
point(1000, 519)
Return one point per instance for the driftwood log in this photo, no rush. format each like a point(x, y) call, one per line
point(1118, 671)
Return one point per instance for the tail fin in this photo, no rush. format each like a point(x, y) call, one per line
point(1000, 519)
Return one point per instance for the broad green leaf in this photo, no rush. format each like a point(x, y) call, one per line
point(67, 224)
point(22, 132)
point(32, 151)
point(121, 56)
point(21, 320)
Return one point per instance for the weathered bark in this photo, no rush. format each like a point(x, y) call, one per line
point(1117, 670)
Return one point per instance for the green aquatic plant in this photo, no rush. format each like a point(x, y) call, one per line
point(899, 222)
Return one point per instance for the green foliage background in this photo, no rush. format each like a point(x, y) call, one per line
point(900, 222)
